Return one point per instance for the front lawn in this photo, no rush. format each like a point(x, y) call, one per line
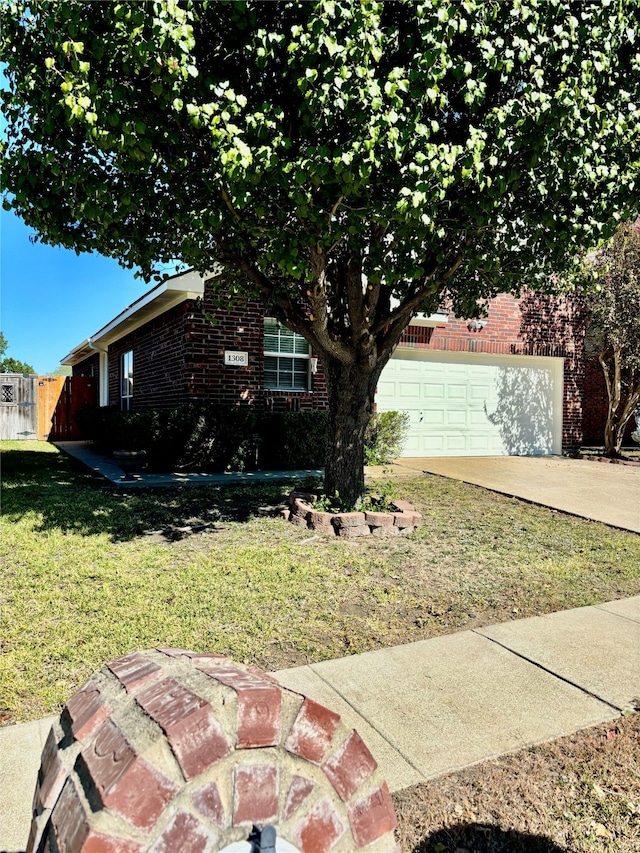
point(90, 573)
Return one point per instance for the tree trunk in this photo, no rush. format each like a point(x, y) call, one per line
point(610, 437)
point(351, 389)
point(630, 405)
point(624, 395)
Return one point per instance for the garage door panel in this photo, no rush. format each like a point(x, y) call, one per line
point(386, 389)
point(478, 419)
point(413, 446)
point(431, 391)
point(412, 368)
point(456, 418)
point(433, 417)
point(415, 416)
point(463, 405)
point(409, 390)
point(479, 444)
point(431, 446)
point(456, 391)
point(496, 446)
point(481, 392)
point(455, 444)
point(483, 372)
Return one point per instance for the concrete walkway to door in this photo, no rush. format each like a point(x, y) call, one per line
point(600, 492)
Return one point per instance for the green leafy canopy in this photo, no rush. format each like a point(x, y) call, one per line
point(474, 145)
point(612, 296)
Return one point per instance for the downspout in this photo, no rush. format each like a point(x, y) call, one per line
point(103, 373)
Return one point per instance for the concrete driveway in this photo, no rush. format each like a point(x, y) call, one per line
point(597, 491)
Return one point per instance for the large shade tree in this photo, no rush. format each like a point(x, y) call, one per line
point(349, 162)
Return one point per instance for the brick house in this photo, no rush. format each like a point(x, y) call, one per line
point(174, 346)
point(515, 383)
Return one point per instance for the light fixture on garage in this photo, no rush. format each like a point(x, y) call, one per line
point(314, 363)
point(476, 325)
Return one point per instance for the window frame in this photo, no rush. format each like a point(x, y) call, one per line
point(286, 356)
point(126, 376)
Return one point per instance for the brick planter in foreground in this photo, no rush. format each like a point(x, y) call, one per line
point(171, 750)
point(300, 511)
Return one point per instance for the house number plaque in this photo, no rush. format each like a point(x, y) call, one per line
point(236, 359)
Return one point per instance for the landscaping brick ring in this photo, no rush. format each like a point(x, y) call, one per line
point(171, 750)
point(403, 519)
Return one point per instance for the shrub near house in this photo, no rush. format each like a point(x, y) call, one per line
point(218, 438)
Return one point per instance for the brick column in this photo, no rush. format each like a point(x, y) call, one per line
point(171, 750)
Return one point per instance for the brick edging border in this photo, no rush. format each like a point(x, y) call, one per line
point(300, 511)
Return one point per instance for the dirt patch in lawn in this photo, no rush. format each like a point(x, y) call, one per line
point(580, 793)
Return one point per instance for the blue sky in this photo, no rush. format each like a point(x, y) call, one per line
point(52, 299)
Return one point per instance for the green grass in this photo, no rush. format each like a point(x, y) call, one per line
point(88, 574)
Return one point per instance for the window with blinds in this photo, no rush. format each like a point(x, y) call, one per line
point(286, 358)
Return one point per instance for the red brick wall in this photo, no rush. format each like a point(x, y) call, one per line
point(533, 325)
point(159, 349)
point(554, 326)
point(239, 329)
point(89, 367)
point(207, 377)
point(179, 358)
point(596, 404)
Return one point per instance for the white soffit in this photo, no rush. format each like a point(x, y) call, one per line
point(163, 297)
point(440, 318)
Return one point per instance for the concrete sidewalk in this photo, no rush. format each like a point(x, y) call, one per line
point(437, 705)
point(600, 492)
point(105, 466)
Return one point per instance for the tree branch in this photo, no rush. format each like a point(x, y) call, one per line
point(413, 302)
point(355, 298)
point(319, 311)
point(227, 200)
point(334, 210)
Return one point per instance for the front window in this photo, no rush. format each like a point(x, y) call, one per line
point(126, 381)
point(286, 358)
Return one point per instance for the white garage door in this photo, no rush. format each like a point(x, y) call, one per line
point(463, 404)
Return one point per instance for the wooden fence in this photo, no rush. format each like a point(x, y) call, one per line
point(43, 407)
point(18, 407)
